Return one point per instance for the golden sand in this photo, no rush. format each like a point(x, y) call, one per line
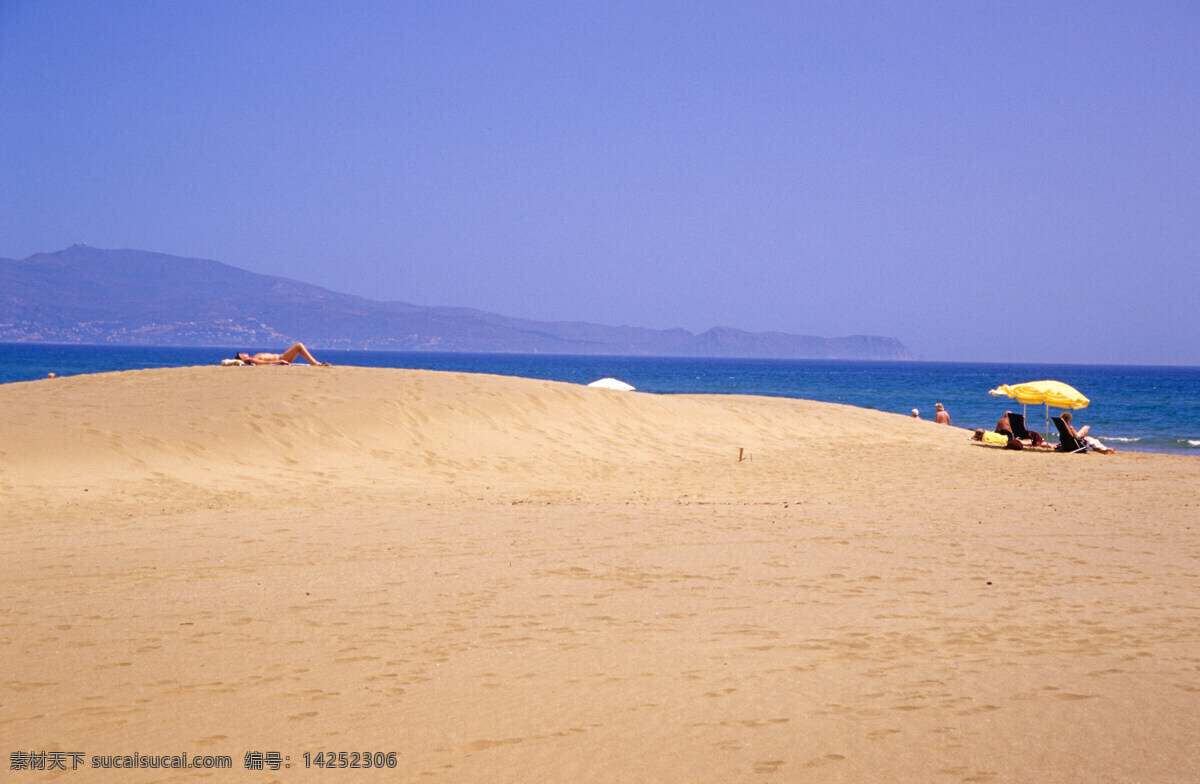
point(508, 580)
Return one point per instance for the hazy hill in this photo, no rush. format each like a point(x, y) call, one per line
point(89, 295)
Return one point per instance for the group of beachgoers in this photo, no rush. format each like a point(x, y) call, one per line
point(940, 415)
point(1010, 432)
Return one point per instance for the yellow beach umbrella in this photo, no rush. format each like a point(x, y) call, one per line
point(1049, 393)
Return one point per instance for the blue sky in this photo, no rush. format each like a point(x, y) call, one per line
point(993, 182)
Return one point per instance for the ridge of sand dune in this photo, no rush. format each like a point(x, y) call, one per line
point(511, 580)
point(224, 428)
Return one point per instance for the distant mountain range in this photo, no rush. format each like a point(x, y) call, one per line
point(89, 295)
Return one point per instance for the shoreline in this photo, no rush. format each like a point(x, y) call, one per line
point(852, 383)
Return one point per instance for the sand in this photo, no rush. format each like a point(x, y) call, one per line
point(509, 580)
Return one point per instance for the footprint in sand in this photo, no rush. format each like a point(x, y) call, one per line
point(828, 759)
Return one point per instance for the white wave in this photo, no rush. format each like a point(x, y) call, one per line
point(1118, 438)
point(1192, 441)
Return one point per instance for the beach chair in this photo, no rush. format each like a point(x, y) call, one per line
point(1016, 423)
point(1066, 441)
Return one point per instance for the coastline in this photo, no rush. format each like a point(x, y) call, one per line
point(1145, 409)
point(512, 579)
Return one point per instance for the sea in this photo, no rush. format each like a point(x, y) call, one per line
point(1133, 407)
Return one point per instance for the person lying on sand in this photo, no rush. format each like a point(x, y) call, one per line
point(1082, 435)
point(1006, 439)
point(298, 350)
point(990, 437)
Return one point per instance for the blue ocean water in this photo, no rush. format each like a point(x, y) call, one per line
point(1150, 409)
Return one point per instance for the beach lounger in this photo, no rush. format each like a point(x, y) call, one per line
point(1016, 422)
point(1066, 441)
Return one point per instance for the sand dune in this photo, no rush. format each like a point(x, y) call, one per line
point(513, 580)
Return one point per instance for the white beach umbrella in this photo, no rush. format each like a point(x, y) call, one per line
point(611, 383)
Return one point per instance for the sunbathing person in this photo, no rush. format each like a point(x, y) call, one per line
point(1004, 427)
point(298, 350)
point(1082, 435)
point(990, 437)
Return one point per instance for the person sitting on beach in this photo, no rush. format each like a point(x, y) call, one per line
point(1004, 427)
point(943, 416)
point(916, 414)
point(1092, 443)
point(298, 350)
point(990, 437)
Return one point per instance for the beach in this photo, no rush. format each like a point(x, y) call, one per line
point(513, 580)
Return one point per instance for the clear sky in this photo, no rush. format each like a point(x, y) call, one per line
point(1009, 181)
